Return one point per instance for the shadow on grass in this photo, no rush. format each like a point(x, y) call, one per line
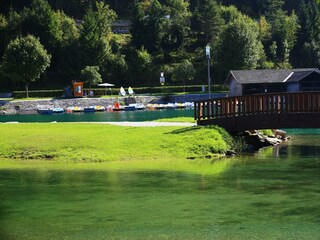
point(196, 128)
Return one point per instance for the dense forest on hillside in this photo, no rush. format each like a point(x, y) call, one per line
point(167, 36)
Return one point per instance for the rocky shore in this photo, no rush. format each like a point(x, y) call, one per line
point(254, 140)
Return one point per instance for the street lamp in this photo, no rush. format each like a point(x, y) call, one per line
point(208, 58)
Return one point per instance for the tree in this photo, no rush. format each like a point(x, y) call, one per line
point(306, 51)
point(140, 66)
point(149, 19)
point(207, 21)
point(25, 59)
point(183, 71)
point(41, 21)
point(94, 41)
point(284, 29)
point(240, 47)
point(177, 27)
point(91, 75)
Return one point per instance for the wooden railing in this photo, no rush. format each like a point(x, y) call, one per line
point(279, 103)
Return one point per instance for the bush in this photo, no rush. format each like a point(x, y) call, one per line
point(39, 93)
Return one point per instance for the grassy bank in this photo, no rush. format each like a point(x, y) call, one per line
point(83, 143)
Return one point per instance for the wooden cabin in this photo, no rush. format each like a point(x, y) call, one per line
point(246, 82)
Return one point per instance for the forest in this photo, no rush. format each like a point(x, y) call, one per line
point(64, 40)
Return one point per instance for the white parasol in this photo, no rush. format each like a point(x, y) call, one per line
point(106, 85)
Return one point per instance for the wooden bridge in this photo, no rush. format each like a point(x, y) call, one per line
point(265, 111)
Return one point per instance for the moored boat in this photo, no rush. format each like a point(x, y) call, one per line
point(44, 110)
point(99, 108)
point(117, 107)
point(88, 109)
point(129, 108)
point(58, 110)
point(77, 109)
point(138, 106)
point(180, 105)
point(170, 106)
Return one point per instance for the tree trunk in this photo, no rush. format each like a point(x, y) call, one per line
point(27, 90)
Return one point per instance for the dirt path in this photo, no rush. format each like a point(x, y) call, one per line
point(150, 124)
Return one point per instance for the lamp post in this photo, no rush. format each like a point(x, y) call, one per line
point(208, 59)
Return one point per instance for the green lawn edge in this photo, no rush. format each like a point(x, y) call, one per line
point(96, 146)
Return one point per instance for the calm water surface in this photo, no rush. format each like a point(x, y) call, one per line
point(99, 116)
point(274, 194)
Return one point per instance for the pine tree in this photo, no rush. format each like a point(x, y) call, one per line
point(207, 22)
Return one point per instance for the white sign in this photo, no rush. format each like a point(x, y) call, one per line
point(162, 80)
point(208, 51)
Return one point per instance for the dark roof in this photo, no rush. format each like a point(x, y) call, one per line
point(270, 76)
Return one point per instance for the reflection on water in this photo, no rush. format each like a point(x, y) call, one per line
point(271, 195)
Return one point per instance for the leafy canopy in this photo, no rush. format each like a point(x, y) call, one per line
point(91, 75)
point(25, 59)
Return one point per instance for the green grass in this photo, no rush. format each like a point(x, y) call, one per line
point(31, 99)
point(80, 142)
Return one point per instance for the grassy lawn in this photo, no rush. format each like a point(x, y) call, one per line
point(119, 147)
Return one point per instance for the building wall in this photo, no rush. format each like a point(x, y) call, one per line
point(235, 89)
point(293, 87)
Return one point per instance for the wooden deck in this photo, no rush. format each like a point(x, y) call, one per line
point(265, 111)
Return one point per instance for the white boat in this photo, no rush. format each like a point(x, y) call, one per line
point(189, 104)
point(180, 105)
point(138, 106)
point(170, 106)
point(57, 110)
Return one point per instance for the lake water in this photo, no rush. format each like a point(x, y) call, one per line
point(273, 194)
point(100, 116)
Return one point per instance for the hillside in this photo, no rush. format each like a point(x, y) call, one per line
point(164, 36)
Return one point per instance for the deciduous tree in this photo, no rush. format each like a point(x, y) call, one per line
point(240, 47)
point(91, 75)
point(25, 59)
point(184, 71)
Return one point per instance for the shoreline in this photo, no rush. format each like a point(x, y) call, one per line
point(31, 106)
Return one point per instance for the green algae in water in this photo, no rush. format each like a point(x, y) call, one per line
point(271, 195)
